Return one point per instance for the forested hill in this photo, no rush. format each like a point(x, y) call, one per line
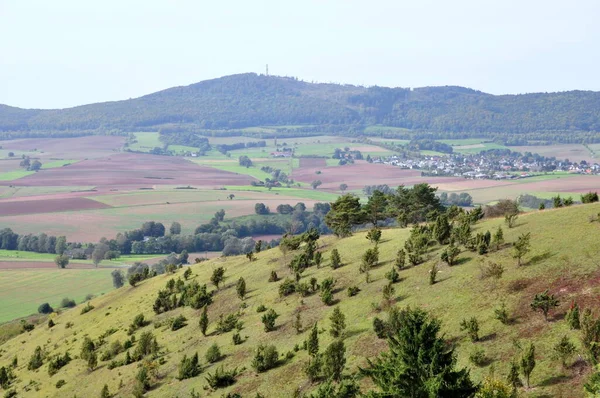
point(248, 100)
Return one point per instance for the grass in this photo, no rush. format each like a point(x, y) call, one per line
point(17, 255)
point(57, 163)
point(562, 259)
point(22, 291)
point(146, 142)
point(14, 175)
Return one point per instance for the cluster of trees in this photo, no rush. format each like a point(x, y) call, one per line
point(27, 164)
point(429, 145)
point(346, 155)
point(184, 138)
point(404, 205)
point(462, 199)
point(224, 148)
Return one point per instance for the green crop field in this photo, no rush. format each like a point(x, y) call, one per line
point(562, 259)
point(13, 175)
point(146, 142)
point(22, 291)
point(57, 163)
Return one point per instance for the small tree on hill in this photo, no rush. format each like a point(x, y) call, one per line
point(62, 260)
point(442, 229)
point(45, 309)
point(521, 247)
point(528, 362)
point(312, 343)
point(472, 327)
point(117, 278)
point(268, 320)
point(374, 235)
point(564, 350)
point(450, 254)
point(336, 260)
point(334, 360)
point(338, 323)
point(370, 259)
point(573, 317)
point(316, 184)
point(203, 323)
point(105, 393)
point(498, 238)
point(218, 276)
point(343, 187)
point(511, 219)
point(400, 260)
point(419, 362)
point(544, 302)
point(241, 288)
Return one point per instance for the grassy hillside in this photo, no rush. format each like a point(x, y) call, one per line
point(563, 259)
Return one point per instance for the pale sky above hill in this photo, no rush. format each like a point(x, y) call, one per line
point(64, 53)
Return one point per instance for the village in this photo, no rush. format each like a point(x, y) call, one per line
point(492, 164)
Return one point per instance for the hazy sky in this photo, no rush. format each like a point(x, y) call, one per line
point(63, 53)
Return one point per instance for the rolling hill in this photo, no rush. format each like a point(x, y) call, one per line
point(287, 104)
point(563, 259)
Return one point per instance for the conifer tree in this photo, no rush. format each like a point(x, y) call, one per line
point(419, 363)
point(105, 393)
point(338, 323)
point(400, 261)
point(334, 360)
point(528, 362)
point(203, 323)
point(336, 260)
point(241, 288)
point(521, 247)
point(312, 343)
point(573, 317)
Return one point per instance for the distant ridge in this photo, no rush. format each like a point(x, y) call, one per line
point(249, 100)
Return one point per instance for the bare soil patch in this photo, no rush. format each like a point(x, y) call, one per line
point(133, 170)
point(362, 173)
point(313, 162)
point(68, 148)
point(13, 207)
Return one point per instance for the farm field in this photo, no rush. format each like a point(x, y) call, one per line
point(23, 290)
point(573, 152)
point(120, 212)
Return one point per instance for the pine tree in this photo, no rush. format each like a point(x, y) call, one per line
point(312, 343)
point(521, 247)
point(241, 288)
point(513, 376)
point(336, 260)
point(528, 362)
point(298, 321)
point(338, 323)
point(419, 362)
point(544, 302)
point(400, 260)
point(203, 323)
point(92, 361)
point(573, 317)
point(334, 360)
point(105, 393)
point(563, 350)
point(498, 238)
point(442, 229)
